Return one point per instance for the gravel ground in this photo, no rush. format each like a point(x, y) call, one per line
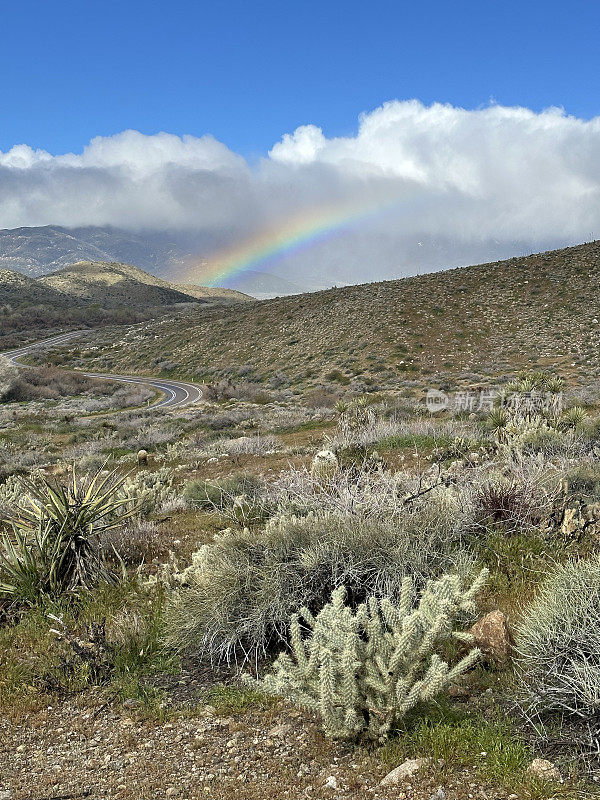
point(68, 752)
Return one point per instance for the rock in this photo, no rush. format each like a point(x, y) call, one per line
point(331, 782)
point(406, 770)
point(544, 769)
point(458, 692)
point(6, 794)
point(491, 634)
point(439, 795)
point(279, 730)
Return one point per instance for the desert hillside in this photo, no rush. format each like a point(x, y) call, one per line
point(541, 310)
point(17, 289)
point(113, 284)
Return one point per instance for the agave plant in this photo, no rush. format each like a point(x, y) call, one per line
point(53, 545)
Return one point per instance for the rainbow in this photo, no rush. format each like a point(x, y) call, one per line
point(289, 236)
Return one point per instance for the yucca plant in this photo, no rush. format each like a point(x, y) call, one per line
point(572, 418)
point(497, 422)
point(53, 545)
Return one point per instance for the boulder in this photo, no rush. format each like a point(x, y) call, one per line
point(544, 769)
point(492, 636)
point(406, 770)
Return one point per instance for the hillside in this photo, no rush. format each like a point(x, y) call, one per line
point(17, 289)
point(113, 285)
point(477, 321)
point(89, 294)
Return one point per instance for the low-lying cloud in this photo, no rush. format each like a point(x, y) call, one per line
point(447, 180)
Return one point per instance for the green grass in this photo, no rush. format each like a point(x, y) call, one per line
point(488, 747)
point(235, 699)
point(35, 664)
point(418, 441)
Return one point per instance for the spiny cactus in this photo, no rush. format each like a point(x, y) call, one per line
point(147, 491)
point(325, 464)
point(362, 670)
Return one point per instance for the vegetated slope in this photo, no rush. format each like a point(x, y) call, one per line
point(211, 293)
point(113, 285)
point(538, 310)
point(18, 290)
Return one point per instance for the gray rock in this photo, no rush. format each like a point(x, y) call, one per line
point(406, 770)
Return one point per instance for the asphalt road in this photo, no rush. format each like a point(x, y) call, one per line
point(177, 393)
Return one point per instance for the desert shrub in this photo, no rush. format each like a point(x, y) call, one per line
point(9, 379)
point(506, 502)
point(558, 643)
point(239, 592)
point(247, 445)
point(584, 480)
point(53, 544)
point(136, 542)
point(322, 398)
point(219, 494)
point(363, 670)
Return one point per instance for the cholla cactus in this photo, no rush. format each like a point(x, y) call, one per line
point(149, 491)
point(362, 670)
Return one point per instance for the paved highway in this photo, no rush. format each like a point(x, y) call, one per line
point(177, 393)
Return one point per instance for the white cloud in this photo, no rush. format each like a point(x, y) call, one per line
point(459, 177)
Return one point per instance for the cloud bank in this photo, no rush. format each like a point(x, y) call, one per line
point(437, 177)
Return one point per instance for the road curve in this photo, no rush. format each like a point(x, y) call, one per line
point(177, 393)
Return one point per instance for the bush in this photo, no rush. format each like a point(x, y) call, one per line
point(584, 480)
point(137, 542)
point(558, 643)
point(362, 671)
point(505, 502)
point(219, 494)
point(241, 589)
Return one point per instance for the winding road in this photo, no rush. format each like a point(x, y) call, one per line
point(177, 393)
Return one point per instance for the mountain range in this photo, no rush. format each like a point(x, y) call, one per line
point(38, 251)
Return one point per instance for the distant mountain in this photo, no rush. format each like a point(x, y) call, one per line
point(210, 293)
point(40, 251)
point(113, 285)
point(263, 285)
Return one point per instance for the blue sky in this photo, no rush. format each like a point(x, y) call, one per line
point(247, 72)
